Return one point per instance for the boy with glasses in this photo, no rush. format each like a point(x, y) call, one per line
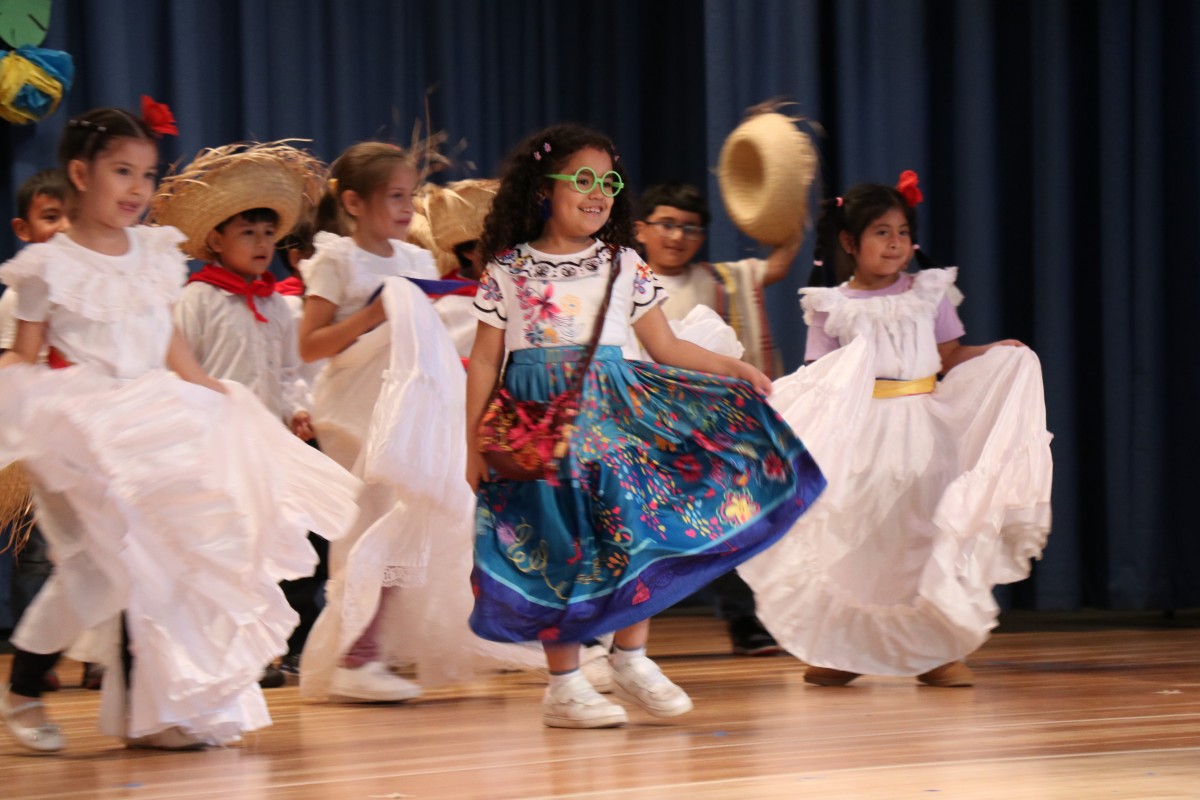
point(671, 223)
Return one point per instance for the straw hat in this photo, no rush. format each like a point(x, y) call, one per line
point(420, 234)
point(224, 181)
point(766, 169)
point(15, 504)
point(454, 214)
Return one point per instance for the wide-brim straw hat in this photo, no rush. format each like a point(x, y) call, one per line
point(224, 181)
point(420, 234)
point(15, 502)
point(766, 169)
point(454, 214)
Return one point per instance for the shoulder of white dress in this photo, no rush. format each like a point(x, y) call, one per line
point(934, 283)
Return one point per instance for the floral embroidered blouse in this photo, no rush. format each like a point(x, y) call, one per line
point(546, 300)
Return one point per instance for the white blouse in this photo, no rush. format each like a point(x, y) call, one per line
point(346, 275)
point(110, 311)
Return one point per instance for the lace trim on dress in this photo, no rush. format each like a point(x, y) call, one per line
point(928, 288)
point(520, 263)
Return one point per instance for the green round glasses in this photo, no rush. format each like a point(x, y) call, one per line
point(585, 179)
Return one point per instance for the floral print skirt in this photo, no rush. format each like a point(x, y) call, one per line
point(674, 478)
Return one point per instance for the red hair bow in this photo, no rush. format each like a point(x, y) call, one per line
point(908, 188)
point(158, 117)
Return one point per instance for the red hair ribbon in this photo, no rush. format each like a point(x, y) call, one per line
point(158, 117)
point(908, 188)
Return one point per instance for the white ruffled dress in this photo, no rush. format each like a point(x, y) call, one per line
point(933, 499)
point(391, 408)
point(179, 506)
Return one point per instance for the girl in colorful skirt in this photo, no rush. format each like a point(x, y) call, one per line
point(677, 471)
point(937, 490)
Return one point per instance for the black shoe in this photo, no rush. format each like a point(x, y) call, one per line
point(271, 678)
point(750, 638)
point(290, 664)
point(93, 676)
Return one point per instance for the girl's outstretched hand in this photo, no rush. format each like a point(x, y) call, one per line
point(755, 377)
point(477, 468)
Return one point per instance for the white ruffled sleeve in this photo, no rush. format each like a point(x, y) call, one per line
point(327, 273)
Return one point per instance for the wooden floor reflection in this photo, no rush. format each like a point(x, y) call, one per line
point(1078, 714)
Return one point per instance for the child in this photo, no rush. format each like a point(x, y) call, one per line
point(234, 203)
point(674, 476)
point(172, 506)
point(670, 228)
point(938, 491)
point(398, 587)
point(41, 213)
point(671, 225)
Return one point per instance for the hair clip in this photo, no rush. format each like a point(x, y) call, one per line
point(840, 202)
point(87, 123)
point(546, 146)
point(537, 156)
point(817, 263)
point(333, 184)
point(916, 246)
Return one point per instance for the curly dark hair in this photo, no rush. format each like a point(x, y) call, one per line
point(515, 216)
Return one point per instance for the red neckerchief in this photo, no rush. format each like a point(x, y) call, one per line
point(291, 287)
point(216, 275)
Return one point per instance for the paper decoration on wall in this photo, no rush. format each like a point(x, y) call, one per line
point(24, 22)
point(32, 82)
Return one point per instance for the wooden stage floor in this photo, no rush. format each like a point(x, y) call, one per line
point(1061, 714)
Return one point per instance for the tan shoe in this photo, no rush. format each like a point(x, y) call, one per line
point(828, 676)
point(956, 673)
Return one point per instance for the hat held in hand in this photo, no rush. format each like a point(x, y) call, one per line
point(766, 169)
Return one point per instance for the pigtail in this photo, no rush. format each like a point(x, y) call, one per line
point(328, 216)
point(828, 256)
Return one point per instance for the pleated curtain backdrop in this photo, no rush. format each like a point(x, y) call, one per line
point(1056, 143)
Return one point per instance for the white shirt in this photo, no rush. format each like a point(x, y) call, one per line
point(697, 286)
point(8, 319)
point(231, 344)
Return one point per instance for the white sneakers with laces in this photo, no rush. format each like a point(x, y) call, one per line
point(575, 703)
point(638, 679)
point(371, 683)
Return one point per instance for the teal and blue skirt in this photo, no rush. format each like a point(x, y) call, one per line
point(674, 477)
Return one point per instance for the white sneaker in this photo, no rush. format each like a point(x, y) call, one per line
point(44, 738)
point(593, 662)
point(640, 680)
point(371, 683)
point(576, 704)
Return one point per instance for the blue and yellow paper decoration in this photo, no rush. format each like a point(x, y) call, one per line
point(32, 82)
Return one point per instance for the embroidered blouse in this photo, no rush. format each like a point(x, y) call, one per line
point(546, 300)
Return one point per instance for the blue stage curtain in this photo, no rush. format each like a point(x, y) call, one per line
point(1056, 143)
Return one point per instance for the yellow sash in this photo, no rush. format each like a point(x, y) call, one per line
point(887, 388)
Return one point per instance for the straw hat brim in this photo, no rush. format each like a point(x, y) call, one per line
point(15, 498)
point(457, 210)
point(419, 233)
point(766, 169)
point(223, 182)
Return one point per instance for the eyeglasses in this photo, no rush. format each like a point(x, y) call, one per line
point(585, 179)
point(667, 228)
